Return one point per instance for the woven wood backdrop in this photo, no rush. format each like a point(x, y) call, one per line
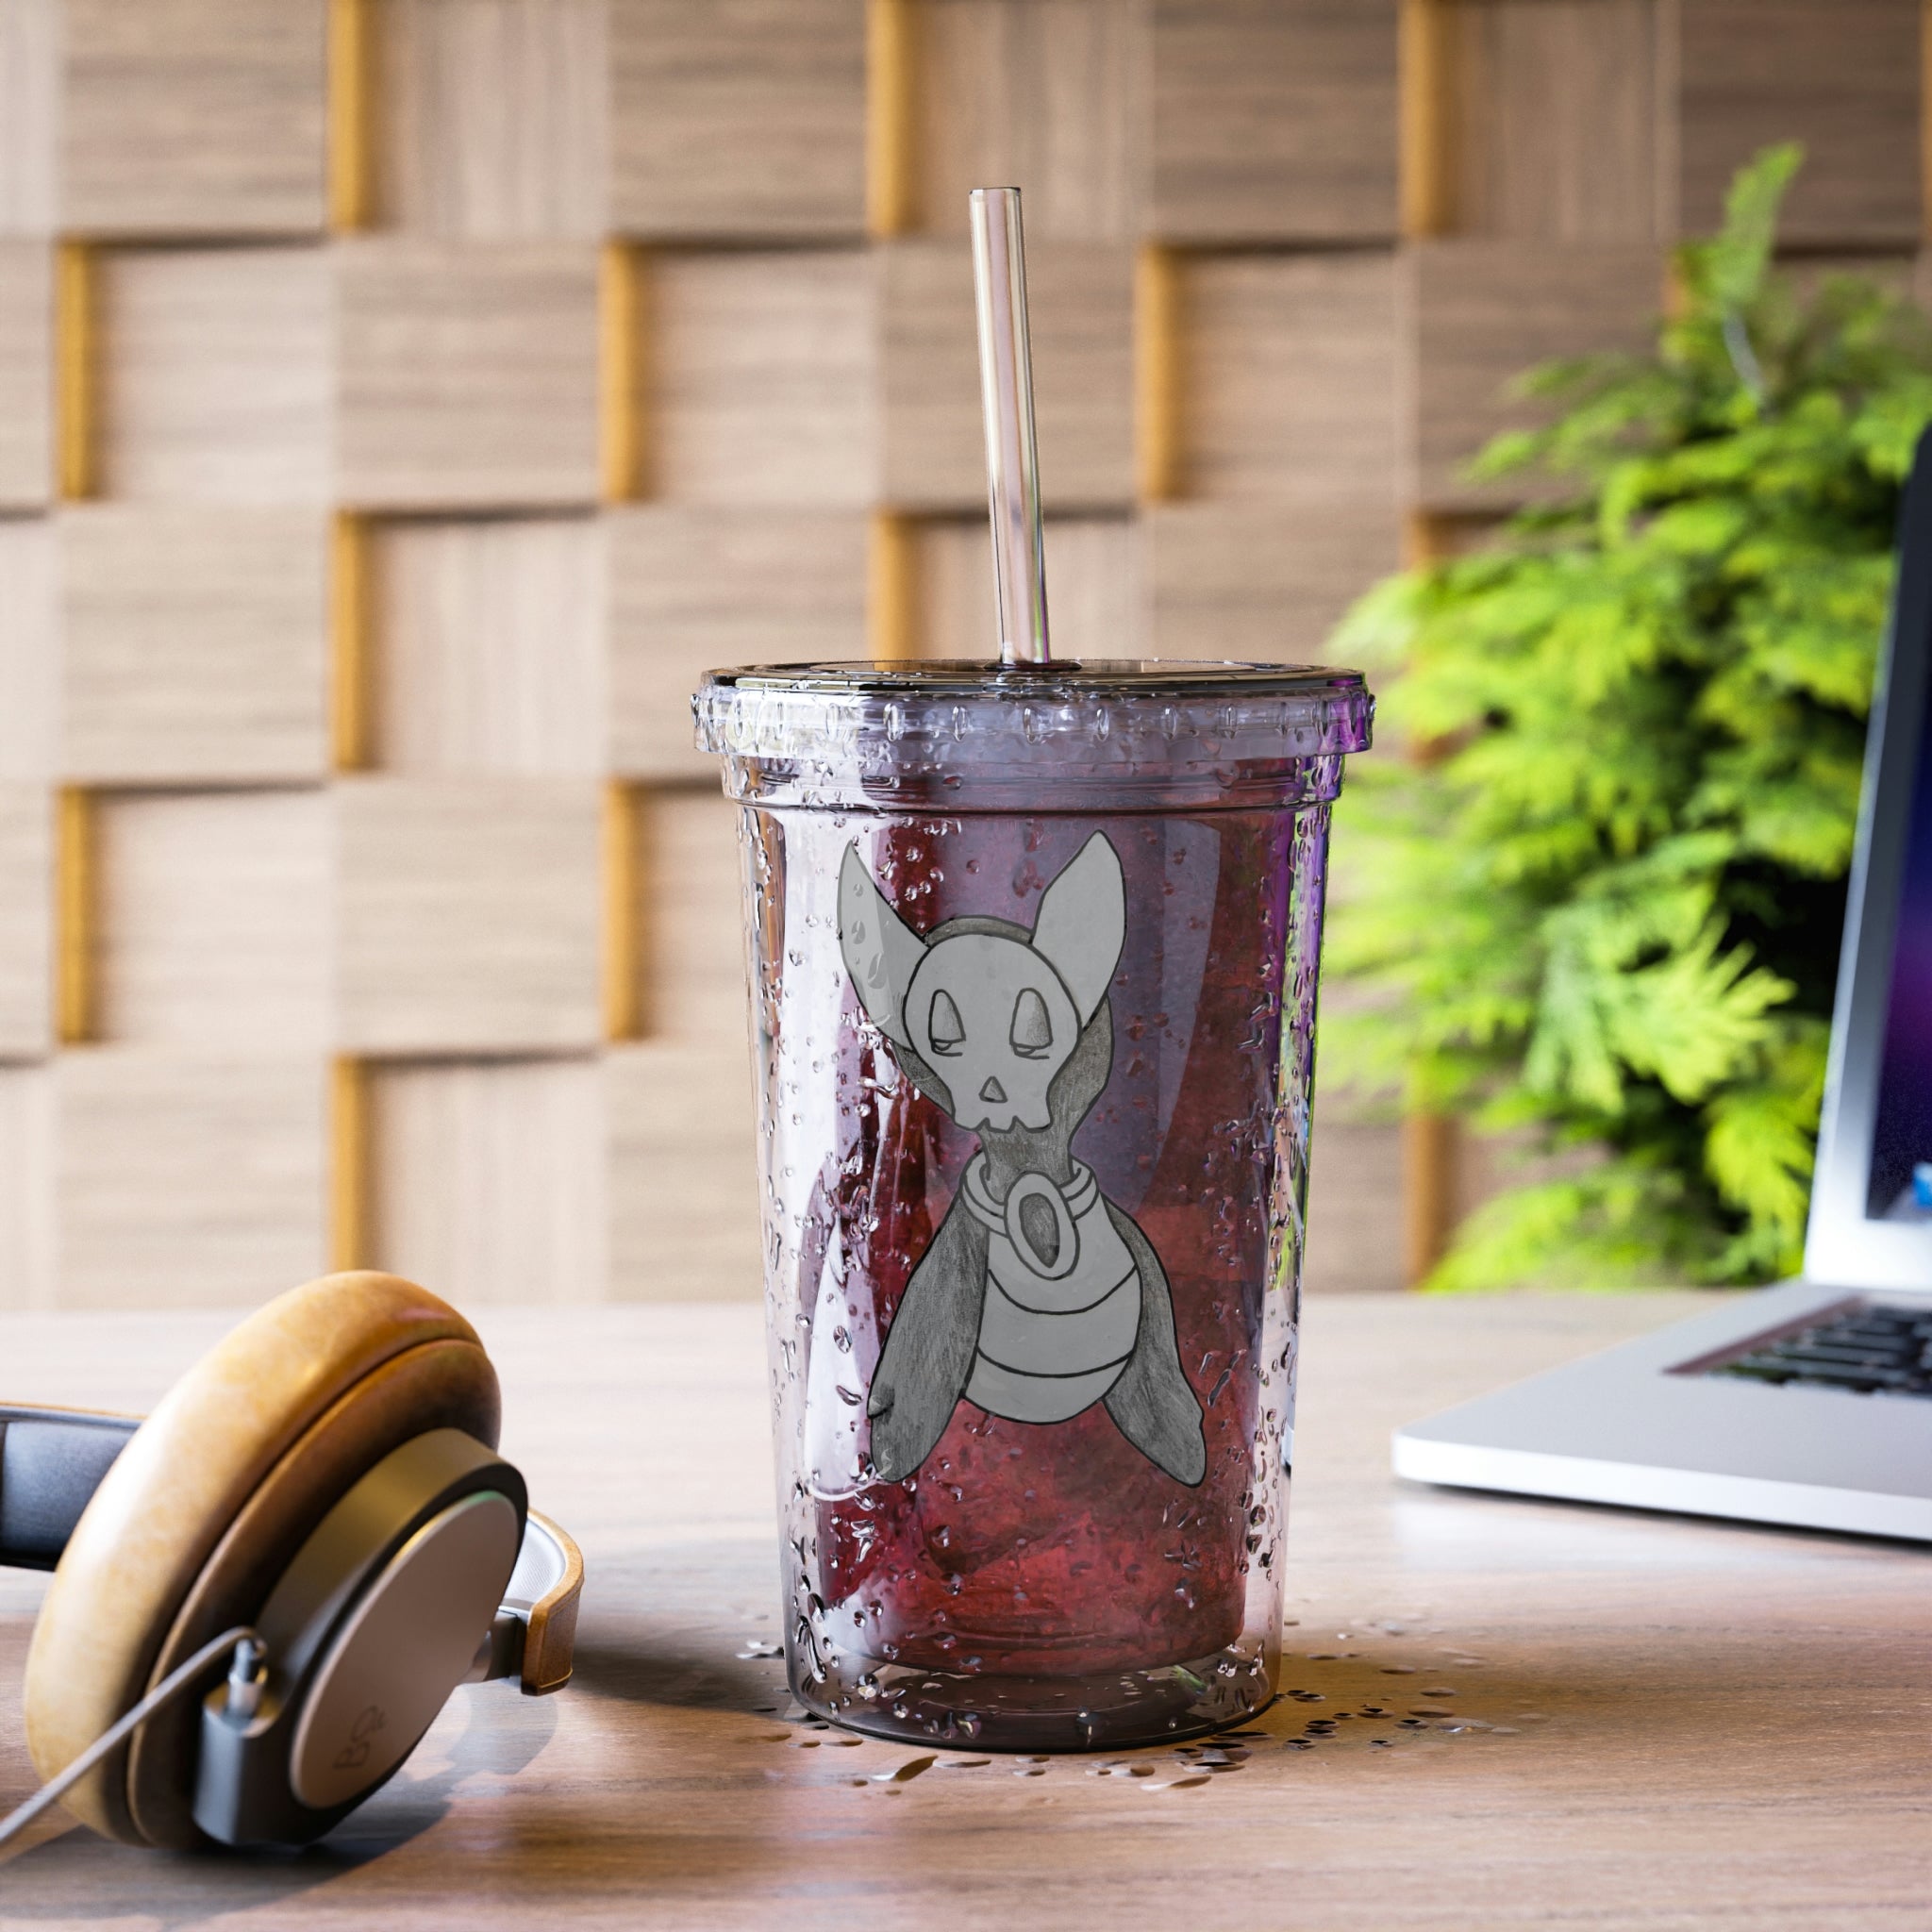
point(402, 400)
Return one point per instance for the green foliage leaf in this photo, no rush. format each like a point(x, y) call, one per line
point(1606, 908)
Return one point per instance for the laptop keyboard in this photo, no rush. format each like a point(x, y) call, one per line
point(1869, 1349)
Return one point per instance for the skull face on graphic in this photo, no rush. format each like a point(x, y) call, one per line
point(995, 1017)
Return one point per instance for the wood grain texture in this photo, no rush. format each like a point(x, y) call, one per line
point(351, 648)
point(691, 929)
point(1093, 579)
point(192, 643)
point(75, 896)
point(619, 855)
point(892, 585)
point(351, 1165)
point(738, 118)
point(186, 1179)
point(491, 1178)
point(1273, 120)
point(683, 1175)
point(215, 375)
point(1842, 76)
point(1288, 379)
point(351, 55)
point(1045, 95)
point(487, 645)
point(1251, 580)
point(1479, 314)
point(28, 1278)
point(1355, 1197)
point(212, 920)
point(29, 650)
point(26, 921)
point(761, 379)
point(1553, 118)
point(1700, 1722)
point(467, 375)
point(193, 117)
point(26, 374)
point(622, 350)
point(693, 588)
point(489, 118)
point(1081, 302)
point(29, 114)
point(891, 38)
point(467, 915)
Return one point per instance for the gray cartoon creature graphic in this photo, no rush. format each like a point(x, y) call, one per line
point(1037, 1296)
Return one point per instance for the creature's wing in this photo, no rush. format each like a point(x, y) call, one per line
point(1152, 1403)
point(929, 1351)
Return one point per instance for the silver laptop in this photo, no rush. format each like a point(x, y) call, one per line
point(1809, 1402)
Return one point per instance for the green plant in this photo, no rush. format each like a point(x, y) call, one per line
point(1607, 910)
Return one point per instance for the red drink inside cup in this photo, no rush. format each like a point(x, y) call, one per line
point(1034, 967)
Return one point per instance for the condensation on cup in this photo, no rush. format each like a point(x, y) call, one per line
point(1033, 953)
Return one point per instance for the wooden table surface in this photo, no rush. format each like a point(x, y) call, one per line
point(1674, 1722)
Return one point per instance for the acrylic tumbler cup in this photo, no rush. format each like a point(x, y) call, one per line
point(1033, 958)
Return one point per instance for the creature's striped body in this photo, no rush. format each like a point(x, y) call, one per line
point(1058, 1328)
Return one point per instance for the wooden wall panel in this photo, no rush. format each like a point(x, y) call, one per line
point(1554, 120)
point(489, 118)
point(214, 374)
point(1273, 120)
point(489, 645)
point(1288, 378)
point(693, 951)
point(185, 1179)
point(1842, 76)
point(694, 589)
point(212, 920)
point(29, 662)
point(192, 643)
point(468, 915)
point(26, 921)
point(761, 371)
point(26, 374)
point(1094, 585)
point(1043, 94)
point(1355, 1204)
point(632, 337)
point(684, 1187)
point(1481, 313)
point(29, 1275)
point(1254, 581)
point(193, 117)
point(29, 114)
point(491, 1178)
point(467, 375)
point(1081, 304)
point(738, 118)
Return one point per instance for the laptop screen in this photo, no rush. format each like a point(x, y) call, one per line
point(1871, 1195)
point(1900, 1188)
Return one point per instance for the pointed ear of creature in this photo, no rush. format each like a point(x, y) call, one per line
point(1083, 923)
point(881, 951)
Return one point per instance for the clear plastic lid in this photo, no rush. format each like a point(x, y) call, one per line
point(1073, 735)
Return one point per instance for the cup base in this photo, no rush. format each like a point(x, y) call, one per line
point(1108, 1710)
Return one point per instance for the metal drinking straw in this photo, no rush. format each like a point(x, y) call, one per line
point(1005, 393)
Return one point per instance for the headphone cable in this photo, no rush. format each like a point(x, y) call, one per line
point(246, 1644)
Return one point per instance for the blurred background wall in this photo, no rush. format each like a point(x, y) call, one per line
point(402, 400)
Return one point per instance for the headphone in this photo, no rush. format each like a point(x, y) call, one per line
point(319, 1504)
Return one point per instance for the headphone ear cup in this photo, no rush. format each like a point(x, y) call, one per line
point(209, 1502)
